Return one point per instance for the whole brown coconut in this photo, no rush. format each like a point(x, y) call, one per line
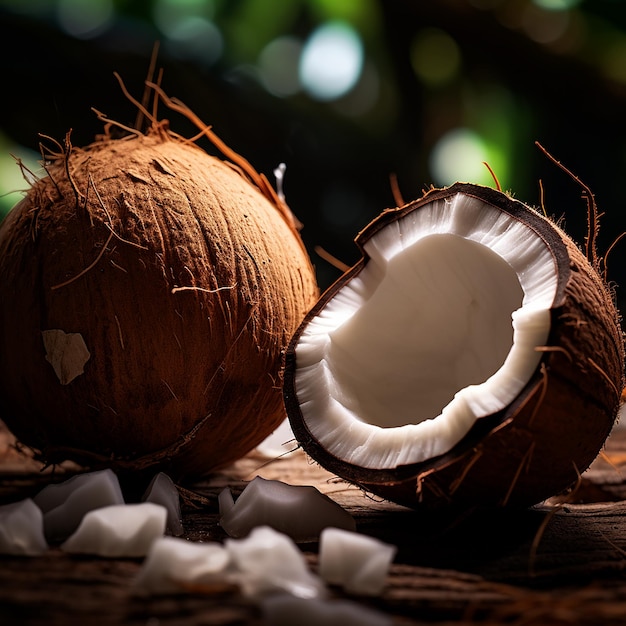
point(473, 357)
point(147, 293)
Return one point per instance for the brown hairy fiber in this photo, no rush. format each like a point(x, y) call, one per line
point(185, 283)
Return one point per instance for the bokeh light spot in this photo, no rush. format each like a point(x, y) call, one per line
point(556, 5)
point(84, 19)
point(14, 182)
point(189, 30)
point(331, 61)
point(197, 39)
point(460, 155)
point(545, 26)
point(168, 14)
point(278, 66)
point(613, 60)
point(435, 56)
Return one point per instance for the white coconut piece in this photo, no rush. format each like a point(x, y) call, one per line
point(21, 529)
point(359, 563)
point(225, 501)
point(286, 610)
point(299, 511)
point(172, 563)
point(268, 561)
point(65, 504)
point(281, 443)
point(163, 491)
point(123, 530)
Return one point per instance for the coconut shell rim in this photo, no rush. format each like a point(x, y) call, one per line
point(483, 426)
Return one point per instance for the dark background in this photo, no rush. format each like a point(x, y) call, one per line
point(526, 71)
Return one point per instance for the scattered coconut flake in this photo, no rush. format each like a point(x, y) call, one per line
point(225, 501)
point(122, 530)
point(299, 511)
point(285, 610)
point(163, 491)
point(66, 352)
point(172, 563)
point(268, 561)
point(65, 504)
point(21, 529)
point(280, 444)
point(358, 563)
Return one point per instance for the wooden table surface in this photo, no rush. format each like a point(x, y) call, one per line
point(562, 562)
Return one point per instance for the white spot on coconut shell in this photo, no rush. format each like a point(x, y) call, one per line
point(299, 511)
point(173, 563)
point(356, 562)
point(124, 530)
point(66, 352)
point(65, 504)
point(21, 529)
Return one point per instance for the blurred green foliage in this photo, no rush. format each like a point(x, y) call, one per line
point(430, 91)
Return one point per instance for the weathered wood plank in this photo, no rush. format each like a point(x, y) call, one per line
point(559, 563)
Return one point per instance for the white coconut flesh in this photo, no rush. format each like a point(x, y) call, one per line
point(439, 328)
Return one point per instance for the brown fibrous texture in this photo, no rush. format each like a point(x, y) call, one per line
point(185, 283)
point(541, 443)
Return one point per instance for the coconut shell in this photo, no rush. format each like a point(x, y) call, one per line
point(539, 445)
point(147, 293)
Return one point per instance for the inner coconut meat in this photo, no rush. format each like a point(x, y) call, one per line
point(439, 329)
point(439, 320)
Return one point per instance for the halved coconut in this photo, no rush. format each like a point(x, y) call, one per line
point(473, 356)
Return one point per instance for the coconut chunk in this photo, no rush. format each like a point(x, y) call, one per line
point(299, 511)
point(225, 501)
point(356, 562)
point(173, 563)
point(126, 530)
point(65, 504)
point(163, 491)
point(285, 610)
point(21, 529)
point(268, 561)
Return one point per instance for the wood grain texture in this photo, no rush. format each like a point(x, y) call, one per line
point(559, 563)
